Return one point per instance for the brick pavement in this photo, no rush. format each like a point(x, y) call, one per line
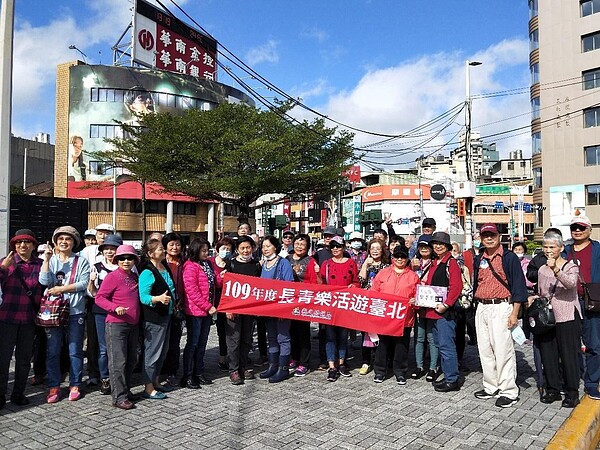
point(309, 412)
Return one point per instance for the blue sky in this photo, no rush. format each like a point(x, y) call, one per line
point(384, 66)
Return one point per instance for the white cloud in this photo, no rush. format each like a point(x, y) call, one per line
point(264, 53)
point(396, 99)
point(315, 33)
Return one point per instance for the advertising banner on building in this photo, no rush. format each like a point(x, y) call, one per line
point(353, 308)
point(99, 96)
point(165, 42)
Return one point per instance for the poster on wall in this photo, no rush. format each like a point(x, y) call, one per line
point(564, 202)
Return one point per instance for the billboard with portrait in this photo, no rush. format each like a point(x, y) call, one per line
point(101, 95)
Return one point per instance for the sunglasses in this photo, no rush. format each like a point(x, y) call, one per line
point(578, 227)
point(23, 241)
point(335, 245)
point(126, 258)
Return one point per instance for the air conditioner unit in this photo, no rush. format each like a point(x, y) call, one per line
point(465, 189)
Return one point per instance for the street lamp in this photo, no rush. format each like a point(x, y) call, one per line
point(469, 225)
point(72, 47)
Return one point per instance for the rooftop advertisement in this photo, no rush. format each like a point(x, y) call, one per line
point(165, 42)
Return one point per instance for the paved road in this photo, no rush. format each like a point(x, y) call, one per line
point(311, 413)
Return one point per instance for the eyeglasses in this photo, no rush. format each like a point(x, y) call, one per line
point(578, 227)
point(23, 241)
point(126, 258)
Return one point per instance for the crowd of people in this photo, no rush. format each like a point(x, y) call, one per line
point(131, 309)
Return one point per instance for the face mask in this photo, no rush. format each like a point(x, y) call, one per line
point(520, 255)
point(476, 244)
point(224, 254)
point(356, 245)
point(243, 258)
point(271, 257)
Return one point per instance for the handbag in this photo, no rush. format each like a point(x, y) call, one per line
point(591, 291)
point(540, 314)
point(54, 309)
point(465, 299)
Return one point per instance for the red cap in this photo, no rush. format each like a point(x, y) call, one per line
point(489, 228)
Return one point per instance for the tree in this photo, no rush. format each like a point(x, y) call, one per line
point(234, 152)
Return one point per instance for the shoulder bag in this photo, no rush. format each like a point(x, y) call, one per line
point(54, 309)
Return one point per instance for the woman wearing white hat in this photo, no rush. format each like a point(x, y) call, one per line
point(65, 273)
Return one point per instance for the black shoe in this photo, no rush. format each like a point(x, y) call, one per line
point(505, 402)
point(344, 371)
point(483, 395)
point(401, 380)
point(201, 379)
point(439, 382)
point(418, 373)
point(19, 400)
point(432, 375)
point(379, 378)
point(447, 387)
point(550, 397)
point(189, 383)
point(570, 402)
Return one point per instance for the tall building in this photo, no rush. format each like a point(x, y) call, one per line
point(564, 38)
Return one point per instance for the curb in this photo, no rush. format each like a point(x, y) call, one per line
point(581, 430)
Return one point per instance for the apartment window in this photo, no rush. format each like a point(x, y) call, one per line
point(185, 209)
point(534, 41)
point(592, 194)
point(592, 155)
point(536, 143)
point(103, 131)
point(100, 205)
point(535, 108)
point(533, 9)
point(591, 117)
point(589, 7)
point(590, 42)
point(523, 164)
point(511, 166)
point(539, 217)
point(591, 79)
point(535, 73)
point(537, 177)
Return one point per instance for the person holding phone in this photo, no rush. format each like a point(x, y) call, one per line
point(118, 295)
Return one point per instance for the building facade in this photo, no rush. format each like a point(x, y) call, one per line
point(564, 39)
point(89, 101)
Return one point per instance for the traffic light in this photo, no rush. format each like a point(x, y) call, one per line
point(461, 207)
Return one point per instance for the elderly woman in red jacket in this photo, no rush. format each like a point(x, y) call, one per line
point(200, 285)
point(397, 279)
point(445, 272)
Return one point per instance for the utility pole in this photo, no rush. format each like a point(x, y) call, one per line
point(468, 157)
point(7, 20)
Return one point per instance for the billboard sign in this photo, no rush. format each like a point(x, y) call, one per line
point(165, 42)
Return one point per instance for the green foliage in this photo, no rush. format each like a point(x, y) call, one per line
point(17, 190)
point(531, 246)
point(234, 150)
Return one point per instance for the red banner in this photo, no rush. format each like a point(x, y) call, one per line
point(353, 308)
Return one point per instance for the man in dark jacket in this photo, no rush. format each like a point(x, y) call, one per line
point(585, 252)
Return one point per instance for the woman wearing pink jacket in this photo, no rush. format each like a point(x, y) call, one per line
point(200, 283)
